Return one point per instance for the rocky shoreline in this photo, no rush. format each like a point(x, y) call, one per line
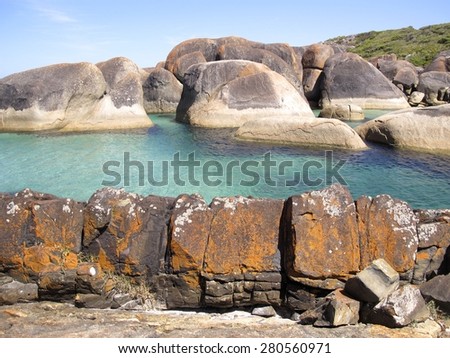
point(325, 258)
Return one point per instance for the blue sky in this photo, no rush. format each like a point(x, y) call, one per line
point(36, 33)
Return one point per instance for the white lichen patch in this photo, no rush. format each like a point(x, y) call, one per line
point(232, 203)
point(12, 208)
point(66, 209)
point(36, 207)
point(426, 231)
point(402, 213)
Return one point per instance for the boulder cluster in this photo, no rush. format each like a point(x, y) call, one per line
point(326, 258)
point(264, 90)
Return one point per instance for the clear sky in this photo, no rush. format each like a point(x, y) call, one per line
point(36, 33)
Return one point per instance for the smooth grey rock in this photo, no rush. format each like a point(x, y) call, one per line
point(431, 83)
point(416, 98)
point(350, 79)
point(373, 283)
point(426, 129)
point(230, 93)
point(348, 112)
point(14, 291)
point(161, 91)
point(438, 290)
point(399, 309)
point(302, 131)
point(266, 311)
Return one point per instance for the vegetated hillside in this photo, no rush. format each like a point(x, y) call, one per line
point(417, 46)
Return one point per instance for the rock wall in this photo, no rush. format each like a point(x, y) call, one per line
point(234, 252)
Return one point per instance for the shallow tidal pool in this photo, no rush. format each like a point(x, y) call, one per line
point(172, 158)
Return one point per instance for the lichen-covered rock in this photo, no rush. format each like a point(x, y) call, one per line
point(244, 236)
point(387, 230)
point(190, 225)
point(433, 231)
point(398, 309)
point(425, 129)
point(349, 79)
point(341, 309)
point(72, 97)
point(321, 235)
point(230, 93)
point(39, 233)
point(127, 232)
point(161, 91)
point(374, 283)
point(302, 131)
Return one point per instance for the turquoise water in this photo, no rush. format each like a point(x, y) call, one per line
point(75, 165)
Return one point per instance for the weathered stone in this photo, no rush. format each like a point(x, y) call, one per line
point(341, 309)
point(399, 309)
point(39, 233)
point(58, 286)
point(70, 97)
point(387, 229)
point(302, 131)
point(373, 283)
point(350, 79)
point(266, 57)
point(207, 47)
point(438, 290)
point(266, 298)
point(90, 300)
point(179, 291)
point(244, 236)
point(161, 91)
point(90, 278)
point(266, 311)
point(416, 98)
point(302, 298)
point(349, 112)
point(13, 292)
point(321, 234)
point(316, 55)
point(225, 301)
point(217, 289)
point(426, 129)
point(400, 72)
point(189, 231)
point(431, 83)
point(440, 63)
point(184, 62)
point(230, 93)
point(312, 83)
point(127, 232)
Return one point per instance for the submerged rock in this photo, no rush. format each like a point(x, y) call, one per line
point(426, 129)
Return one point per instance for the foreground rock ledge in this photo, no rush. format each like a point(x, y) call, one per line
point(235, 252)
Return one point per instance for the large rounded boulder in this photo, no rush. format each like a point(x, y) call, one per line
point(229, 93)
point(70, 97)
point(425, 129)
point(349, 79)
point(436, 87)
point(162, 91)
